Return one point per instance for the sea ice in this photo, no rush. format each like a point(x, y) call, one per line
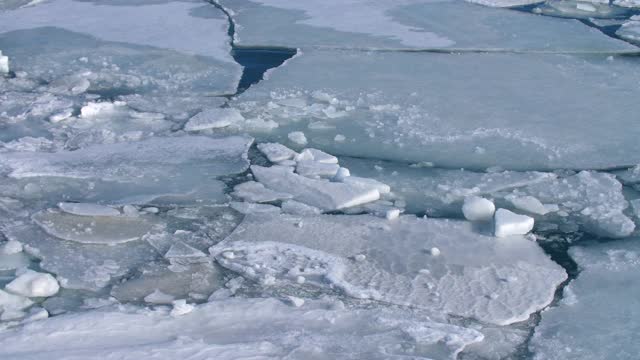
point(508, 223)
point(240, 328)
point(600, 309)
point(4, 64)
point(493, 280)
point(477, 208)
point(87, 209)
point(34, 284)
point(630, 30)
point(276, 152)
point(213, 118)
point(252, 191)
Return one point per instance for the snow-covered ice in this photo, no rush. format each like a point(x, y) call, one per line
point(213, 118)
point(477, 276)
point(508, 223)
point(33, 284)
point(476, 208)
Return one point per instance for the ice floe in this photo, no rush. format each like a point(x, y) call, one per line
point(213, 118)
point(477, 208)
point(508, 223)
point(477, 276)
point(33, 284)
point(599, 312)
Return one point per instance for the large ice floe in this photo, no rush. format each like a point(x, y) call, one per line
point(599, 313)
point(437, 265)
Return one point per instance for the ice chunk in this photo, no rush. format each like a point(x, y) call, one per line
point(4, 64)
point(95, 229)
point(34, 284)
point(446, 121)
point(476, 208)
point(297, 137)
point(508, 223)
point(627, 3)
point(242, 328)
point(180, 250)
point(127, 161)
point(276, 152)
point(180, 308)
point(250, 208)
point(478, 276)
point(11, 247)
point(11, 302)
point(297, 208)
point(213, 118)
point(412, 24)
point(529, 204)
point(322, 194)
point(86, 209)
point(504, 3)
point(315, 169)
point(317, 155)
point(598, 309)
point(366, 183)
point(256, 192)
point(158, 297)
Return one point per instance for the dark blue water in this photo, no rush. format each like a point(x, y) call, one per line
point(257, 61)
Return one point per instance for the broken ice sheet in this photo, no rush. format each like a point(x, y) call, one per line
point(440, 108)
point(246, 328)
point(406, 24)
point(599, 314)
point(499, 281)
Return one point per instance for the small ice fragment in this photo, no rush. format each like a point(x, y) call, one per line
point(87, 209)
point(34, 284)
point(298, 137)
point(367, 183)
point(4, 64)
point(476, 208)
point(342, 173)
point(60, 116)
point(585, 7)
point(276, 152)
point(213, 118)
point(11, 302)
point(314, 169)
point(360, 257)
point(158, 297)
point(434, 251)
point(392, 214)
point(508, 223)
point(251, 208)
point(529, 204)
point(317, 155)
point(297, 208)
point(11, 247)
point(130, 210)
point(300, 279)
point(180, 307)
point(151, 210)
point(295, 301)
point(339, 138)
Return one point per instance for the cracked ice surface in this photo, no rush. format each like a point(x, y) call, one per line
point(439, 108)
point(499, 281)
point(408, 24)
point(248, 328)
point(600, 310)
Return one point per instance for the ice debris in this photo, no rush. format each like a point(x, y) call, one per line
point(34, 284)
point(508, 223)
point(213, 118)
point(477, 208)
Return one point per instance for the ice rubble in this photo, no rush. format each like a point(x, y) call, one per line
point(498, 281)
point(213, 118)
point(630, 30)
point(600, 311)
point(426, 108)
point(4, 64)
point(33, 284)
point(251, 328)
point(406, 24)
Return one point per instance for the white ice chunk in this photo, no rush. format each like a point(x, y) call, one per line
point(529, 204)
point(314, 169)
point(213, 118)
point(250, 208)
point(180, 308)
point(240, 328)
point(316, 155)
point(366, 183)
point(477, 208)
point(158, 297)
point(4, 64)
point(95, 229)
point(478, 276)
point(599, 308)
point(297, 137)
point(12, 302)
point(276, 152)
point(34, 284)
point(630, 30)
point(508, 223)
point(87, 209)
point(11, 247)
point(297, 208)
point(318, 193)
point(505, 3)
point(256, 192)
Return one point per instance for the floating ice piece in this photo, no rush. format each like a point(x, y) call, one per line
point(34, 284)
point(476, 276)
point(541, 133)
point(276, 152)
point(213, 118)
point(256, 192)
point(180, 308)
point(298, 137)
point(529, 204)
point(317, 155)
point(180, 250)
point(129, 161)
point(4, 64)
point(158, 297)
point(477, 208)
point(366, 183)
point(508, 223)
point(241, 328)
point(322, 194)
point(592, 199)
point(314, 169)
point(297, 208)
point(87, 209)
point(598, 308)
point(250, 208)
point(95, 229)
point(410, 24)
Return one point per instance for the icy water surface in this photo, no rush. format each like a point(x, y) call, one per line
point(285, 179)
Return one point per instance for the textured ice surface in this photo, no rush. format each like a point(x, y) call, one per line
point(252, 191)
point(630, 30)
point(212, 119)
point(33, 284)
point(477, 208)
point(600, 311)
point(240, 328)
point(508, 223)
point(405, 24)
point(494, 280)
point(504, 3)
point(135, 160)
point(439, 108)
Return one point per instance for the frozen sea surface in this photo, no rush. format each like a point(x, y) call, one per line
point(279, 179)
